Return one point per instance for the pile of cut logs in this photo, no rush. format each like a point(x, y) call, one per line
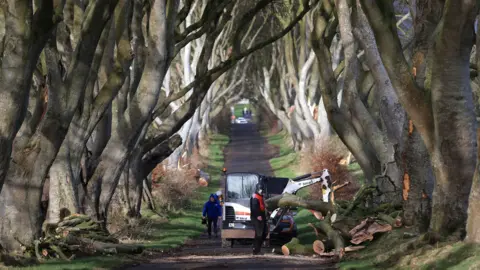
point(337, 224)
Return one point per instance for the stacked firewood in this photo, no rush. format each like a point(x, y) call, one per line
point(78, 235)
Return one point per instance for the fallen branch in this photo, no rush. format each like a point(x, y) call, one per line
point(289, 200)
point(363, 192)
point(59, 252)
point(337, 187)
point(395, 222)
point(334, 236)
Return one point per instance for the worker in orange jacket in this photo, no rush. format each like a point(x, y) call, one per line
point(258, 217)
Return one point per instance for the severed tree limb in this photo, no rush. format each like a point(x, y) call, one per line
point(360, 196)
point(318, 247)
point(295, 248)
point(334, 236)
point(317, 231)
point(337, 187)
point(59, 252)
point(289, 200)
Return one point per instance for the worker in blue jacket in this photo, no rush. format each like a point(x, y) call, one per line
point(211, 211)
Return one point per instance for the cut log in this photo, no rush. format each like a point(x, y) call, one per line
point(334, 236)
point(119, 248)
point(318, 247)
point(317, 214)
point(289, 200)
point(101, 247)
point(203, 182)
point(295, 248)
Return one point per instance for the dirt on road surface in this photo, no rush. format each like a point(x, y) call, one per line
point(246, 152)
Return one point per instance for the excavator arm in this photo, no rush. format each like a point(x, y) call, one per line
point(296, 184)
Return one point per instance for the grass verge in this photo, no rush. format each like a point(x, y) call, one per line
point(284, 164)
point(393, 251)
point(181, 226)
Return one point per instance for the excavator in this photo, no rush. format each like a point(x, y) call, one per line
point(239, 187)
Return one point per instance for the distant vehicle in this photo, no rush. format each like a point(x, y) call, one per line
point(241, 120)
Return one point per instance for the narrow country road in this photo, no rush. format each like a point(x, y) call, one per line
point(246, 152)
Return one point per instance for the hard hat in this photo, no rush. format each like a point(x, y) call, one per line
point(219, 193)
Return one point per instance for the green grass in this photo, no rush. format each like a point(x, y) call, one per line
point(280, 139)
point(182, 225)
point(392, 251)
point(284, 164)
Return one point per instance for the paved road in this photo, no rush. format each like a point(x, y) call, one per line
point(246, 152)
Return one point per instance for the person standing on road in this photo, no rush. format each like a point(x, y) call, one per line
point(258, 217)
point(211, 212)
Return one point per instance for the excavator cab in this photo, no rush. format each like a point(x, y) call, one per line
point(239, 188)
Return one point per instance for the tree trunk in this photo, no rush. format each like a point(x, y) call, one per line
point(473, 221)
point(418, 187)
point(19, 59)
point(34, 161)
point(63, 189)
point(444, 116)
point(340, 123)
point(454, 157)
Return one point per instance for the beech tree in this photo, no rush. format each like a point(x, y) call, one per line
point(349, 80)
point(442, 110)
point(99, 72)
